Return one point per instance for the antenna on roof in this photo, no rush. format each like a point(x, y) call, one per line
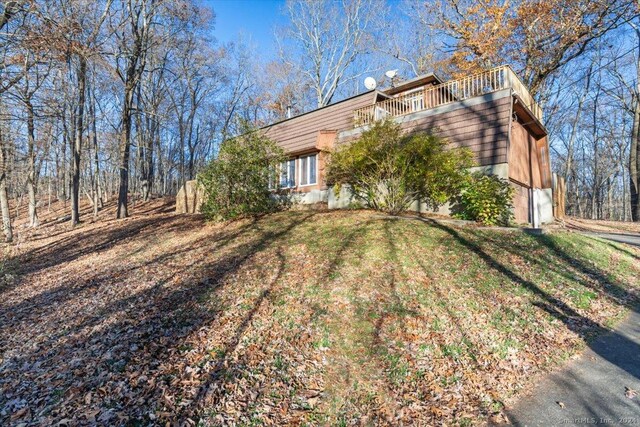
point(370, 83)
point(391, 74)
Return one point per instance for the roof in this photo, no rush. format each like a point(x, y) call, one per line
point(379, 94)
point(376, 93)
point(423, 80)
point(531, 121)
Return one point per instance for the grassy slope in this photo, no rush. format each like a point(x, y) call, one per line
point(300, 317)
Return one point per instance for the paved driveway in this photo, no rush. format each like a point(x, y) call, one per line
point(628, 238)
point(601, 387)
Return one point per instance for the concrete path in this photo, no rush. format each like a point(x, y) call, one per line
point(628, 238)
point(595, 389)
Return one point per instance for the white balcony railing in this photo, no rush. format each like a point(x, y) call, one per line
point(488, 81)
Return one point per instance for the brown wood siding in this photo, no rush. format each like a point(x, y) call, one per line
point(300, 133)
point(519, 155)
point(482, 128)
point(545, 164)
point(325, 143)
point(528, 158)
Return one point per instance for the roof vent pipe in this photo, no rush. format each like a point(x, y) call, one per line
point(288, 111)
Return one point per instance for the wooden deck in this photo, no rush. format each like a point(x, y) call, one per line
point(492, 80)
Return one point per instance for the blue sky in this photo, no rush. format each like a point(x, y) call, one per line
point(254, 19)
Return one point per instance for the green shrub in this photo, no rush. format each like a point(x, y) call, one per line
point(237, 183)
point(387, 169)
point(487, 199)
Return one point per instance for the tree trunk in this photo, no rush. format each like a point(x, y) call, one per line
point(147, 160)
point(570, 178)
point(77, 146)
point(144, 135)
point(595, 189)
point(107, 190)
point(66, 140)
point(125, 146)
point(97, 199)
point(31, 166)
point(4, 197)
point(610, 198)
point(634, 162)
point(6, 213)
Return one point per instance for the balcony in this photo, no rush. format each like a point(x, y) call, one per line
point(456, 90)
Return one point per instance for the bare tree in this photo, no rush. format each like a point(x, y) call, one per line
point(628, 98)
point(634, 153)
point(31, 83)
point(134, 42)
point(325, 38)
point(74, 29)
point(4, 197)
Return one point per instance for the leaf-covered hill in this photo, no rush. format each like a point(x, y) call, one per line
point(303, 318)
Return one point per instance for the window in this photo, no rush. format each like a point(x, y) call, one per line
point(380, 113)
point(308, 169)
point(288, 174)
point(415, 99)
point(417, 103)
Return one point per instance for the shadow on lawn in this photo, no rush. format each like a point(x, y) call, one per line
point(60, 225)
point(574, 321)
point(206, 393)
point(147, 334)
point(70, 248)
point(77, 244)
point(619, 247)
point(96, 350)
point(350, 243)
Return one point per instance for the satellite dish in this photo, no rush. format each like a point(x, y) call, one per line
point(370, 83)
point(391, 73)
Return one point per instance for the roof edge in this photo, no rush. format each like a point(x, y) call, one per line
point(415, 81)
point(375, 93)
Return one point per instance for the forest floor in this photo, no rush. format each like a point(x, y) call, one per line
point(297, 318)
point(600, 226)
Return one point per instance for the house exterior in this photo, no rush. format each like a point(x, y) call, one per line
point(490, 113)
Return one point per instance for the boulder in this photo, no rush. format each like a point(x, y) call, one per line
point(192, 202)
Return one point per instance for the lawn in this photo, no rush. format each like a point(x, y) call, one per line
point(303, 318)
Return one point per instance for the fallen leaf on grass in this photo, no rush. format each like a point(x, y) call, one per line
point(173, 323)
point(19, 413)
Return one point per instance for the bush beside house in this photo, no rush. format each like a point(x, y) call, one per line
point(485, 198)
point(387, 170)
point(238, 182)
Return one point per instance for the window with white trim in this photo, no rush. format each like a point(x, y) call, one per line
point(288, 174)
point(308, 170)
point(416, 99)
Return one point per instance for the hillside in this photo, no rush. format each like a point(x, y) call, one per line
point(304, 318)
